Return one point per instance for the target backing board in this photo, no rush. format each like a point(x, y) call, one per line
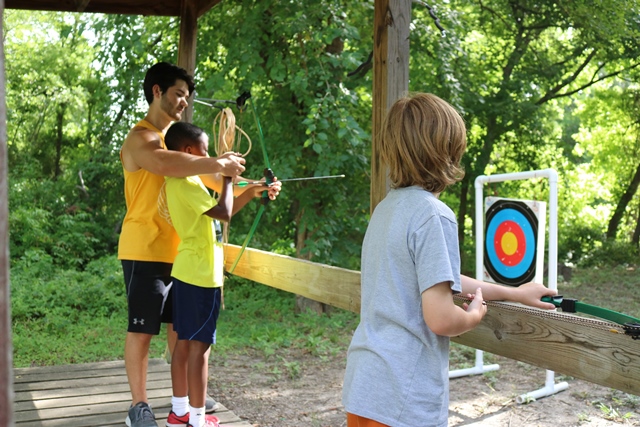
point(514, 241)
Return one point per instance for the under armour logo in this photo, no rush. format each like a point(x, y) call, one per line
point(136, 321)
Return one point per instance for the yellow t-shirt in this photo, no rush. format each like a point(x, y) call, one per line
point(200, 260)
point(145, 235)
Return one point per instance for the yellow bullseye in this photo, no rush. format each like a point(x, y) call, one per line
point(509, 243)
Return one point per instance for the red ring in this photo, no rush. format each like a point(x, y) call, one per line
point(516, 257)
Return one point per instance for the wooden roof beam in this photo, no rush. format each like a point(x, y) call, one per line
point(187, 45)
point(120, 7)
point(81, 5)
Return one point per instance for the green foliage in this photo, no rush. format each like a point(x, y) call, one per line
point(520, 72)
point(532, 83)
point(612, 253)
point(55, 312)
point(294, 58)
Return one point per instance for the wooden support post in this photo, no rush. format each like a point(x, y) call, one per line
point(6, 378)
point(187, 45)
point(390, 78)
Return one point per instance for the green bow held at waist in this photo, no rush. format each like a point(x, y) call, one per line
point(631, 325)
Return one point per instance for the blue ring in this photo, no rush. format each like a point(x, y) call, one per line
point(516, 271)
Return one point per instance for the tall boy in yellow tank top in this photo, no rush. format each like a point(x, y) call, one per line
point(148, 243)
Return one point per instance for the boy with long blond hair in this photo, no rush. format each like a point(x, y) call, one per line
point(398, 361)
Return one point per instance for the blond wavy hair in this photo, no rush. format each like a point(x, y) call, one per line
point(423, 140)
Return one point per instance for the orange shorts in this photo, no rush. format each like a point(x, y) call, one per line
point(358, 421)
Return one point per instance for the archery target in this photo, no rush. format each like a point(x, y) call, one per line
point(514, 241)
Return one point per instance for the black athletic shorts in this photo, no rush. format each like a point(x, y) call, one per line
point(149, 296)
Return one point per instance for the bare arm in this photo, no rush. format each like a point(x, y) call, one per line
point(224, 209)
point(528, 294)
point(142, 149)
point(214, 182)
point(444, 317)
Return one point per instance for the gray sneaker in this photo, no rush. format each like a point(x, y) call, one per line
point(210, 405)
point(141, 415)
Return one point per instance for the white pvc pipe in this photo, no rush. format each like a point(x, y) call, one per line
point(552, 176)
point(549, 388)
point(552, 280)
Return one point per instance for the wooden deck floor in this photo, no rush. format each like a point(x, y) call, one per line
point(91, 395)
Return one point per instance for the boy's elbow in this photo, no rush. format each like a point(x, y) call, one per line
point(441, 329)
point(448, 326)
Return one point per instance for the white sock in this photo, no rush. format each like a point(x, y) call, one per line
point(180, 405)
point(196, 416)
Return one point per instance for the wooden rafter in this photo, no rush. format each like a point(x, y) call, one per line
point(120, 7)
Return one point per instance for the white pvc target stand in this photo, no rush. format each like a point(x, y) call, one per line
point(479, 368)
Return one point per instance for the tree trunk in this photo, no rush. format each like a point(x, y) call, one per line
point(624, 201)
point(59, 138)
point(304, 304)
point(635, 239)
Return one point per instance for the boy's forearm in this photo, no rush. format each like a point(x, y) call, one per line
point(490, 291)
point(223, 210)
point(214, 182)
point(241, 201)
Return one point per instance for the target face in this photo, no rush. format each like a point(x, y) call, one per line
point(510, 242)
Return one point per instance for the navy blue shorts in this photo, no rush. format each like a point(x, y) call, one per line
point(195, 311)
point(148, 295)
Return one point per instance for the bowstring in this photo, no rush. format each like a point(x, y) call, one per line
point(262, 208)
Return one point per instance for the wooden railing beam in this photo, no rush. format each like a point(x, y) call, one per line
point(588, 349)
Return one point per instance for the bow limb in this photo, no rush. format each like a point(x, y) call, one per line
point(268, 174)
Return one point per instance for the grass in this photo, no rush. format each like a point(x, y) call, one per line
point(55, 313)
point(615, 288)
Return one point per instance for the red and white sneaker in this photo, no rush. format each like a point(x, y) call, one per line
point(175, 421)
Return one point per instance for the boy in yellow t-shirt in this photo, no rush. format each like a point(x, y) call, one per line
point(197, 272)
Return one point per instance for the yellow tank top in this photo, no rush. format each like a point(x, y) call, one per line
point(145, 235)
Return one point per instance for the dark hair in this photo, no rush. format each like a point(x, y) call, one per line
point(182, 134)
point(165, 75)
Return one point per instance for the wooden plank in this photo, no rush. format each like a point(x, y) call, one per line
point(79, 398)
point(187, 46)
point(84, 370)
point(39, 370)
point(122, 7)
point(567, 344)
point(588, 349)
point(390, 78)
point(331, 285)
point(110, 415)
point(84, 382)
point(6, 389)
point(73, 390)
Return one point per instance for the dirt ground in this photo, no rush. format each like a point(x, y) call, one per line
point(296, 389)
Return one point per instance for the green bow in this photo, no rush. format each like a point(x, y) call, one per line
point(631, 325)
point(268, 174)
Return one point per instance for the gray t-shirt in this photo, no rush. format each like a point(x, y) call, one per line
point(397, 369)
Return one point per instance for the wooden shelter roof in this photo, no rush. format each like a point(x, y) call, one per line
point(120, 7)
